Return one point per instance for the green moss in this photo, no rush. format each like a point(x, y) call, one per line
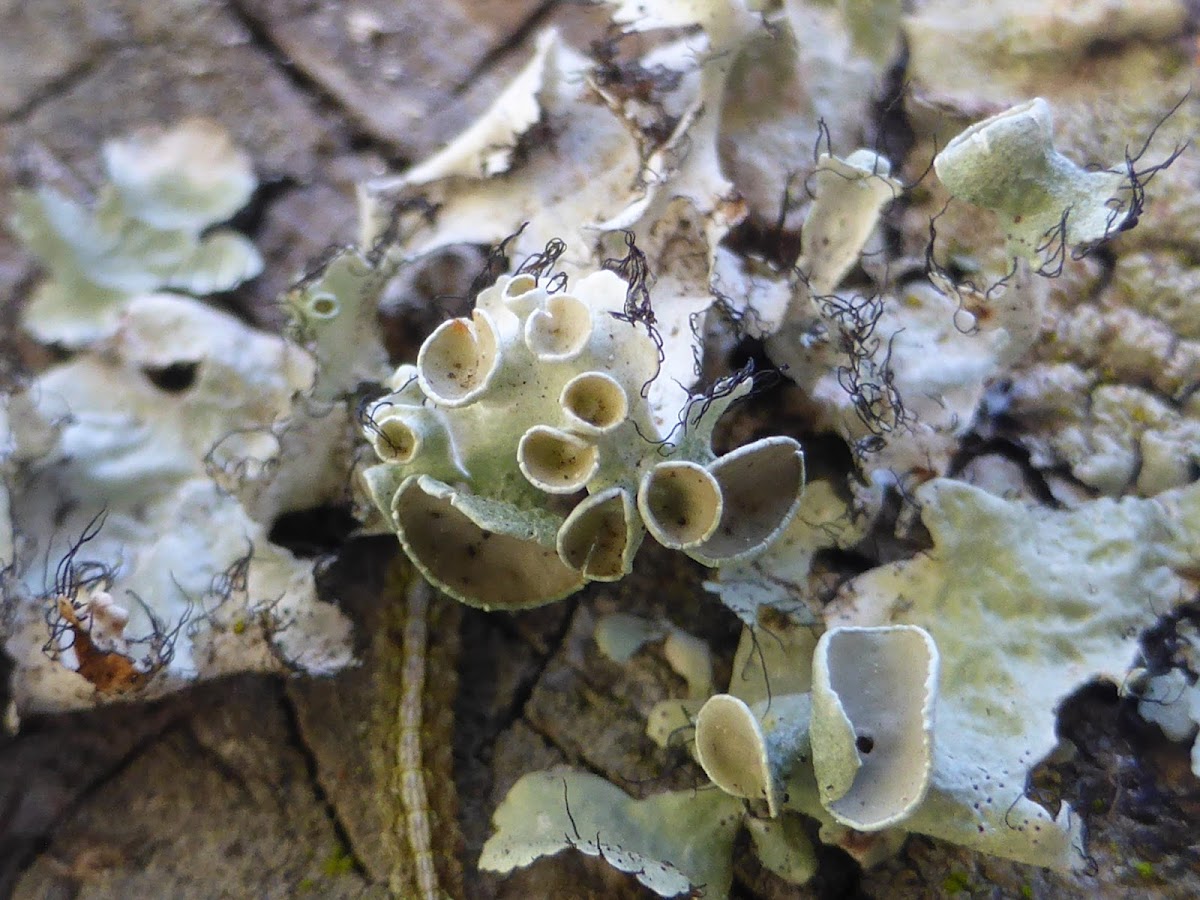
point(1144, 868)
point(1027, 891)
point(956, 882)
point(339, 862)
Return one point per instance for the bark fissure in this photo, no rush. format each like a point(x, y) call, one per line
point(62, 83)
point(311, 87)
point(295, 734)
point(84, 795)
point(505, 46)
point(219, 763)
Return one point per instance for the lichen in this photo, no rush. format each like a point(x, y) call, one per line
point(183, 560)
point(1051, 591)
point(540, 395)
point(1045, 202)
point(672, 843)
point(140, 476)
point(531, 445)
point(151, 230)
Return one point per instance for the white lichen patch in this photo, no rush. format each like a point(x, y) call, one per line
point(150, 230)
point(136, 572)
point(558, 193)
point(486, 147)
point(805, 72)
point(190, 176)
point(1062, 598)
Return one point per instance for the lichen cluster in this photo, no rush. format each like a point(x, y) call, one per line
point(139, 478)
point(541, 395)
point(531, 445)
point(152, 229)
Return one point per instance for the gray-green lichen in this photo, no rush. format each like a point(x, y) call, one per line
point(151, 230)
point(142, 475)
point(903, 373)
point(541, 395)
point(1051, 590)
point(670, 842)
point(922, 696)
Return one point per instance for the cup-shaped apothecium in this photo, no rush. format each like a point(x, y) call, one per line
point(400, 434)
point(322, 305)
point(874, 691)
point(601, 535)
point(749, 751)
point(560, 330)
point(556, 461)
point(595, 403)
point(522, 295)
point(1017, 148)
point(482, 552)
point(760, 486)
point(851, 194)
point(396, 436)
point(458, 362)
point(680, 503)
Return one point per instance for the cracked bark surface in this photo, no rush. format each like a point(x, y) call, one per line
point(220, 803)
point(263, 788)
